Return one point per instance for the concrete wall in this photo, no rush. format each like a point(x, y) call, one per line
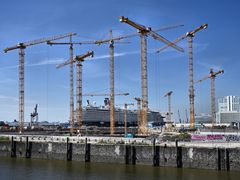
point(188, 157)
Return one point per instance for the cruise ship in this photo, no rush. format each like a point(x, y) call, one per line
point(100, 116)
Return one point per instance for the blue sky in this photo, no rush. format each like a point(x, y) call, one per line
point(217, 47)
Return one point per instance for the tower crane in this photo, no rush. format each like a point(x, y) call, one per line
point(212, 75)
point(190, 36)
point(34, 115)
point(71, 114)
point(79, 59)
point(139, 113)
point(179, 117)
point(168, 94)
point(144, 31)
point(125, 116)
point(21, 46)
point(111, 42)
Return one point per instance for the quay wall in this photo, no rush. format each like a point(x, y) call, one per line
point(216, 158)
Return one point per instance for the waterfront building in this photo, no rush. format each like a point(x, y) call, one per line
point(228, 109)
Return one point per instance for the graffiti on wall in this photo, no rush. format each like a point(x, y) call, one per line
point(215, 137)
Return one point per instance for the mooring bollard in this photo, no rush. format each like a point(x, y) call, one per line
point(179, 155)
point(13, 147)
point(87, 151)
point(69, 150)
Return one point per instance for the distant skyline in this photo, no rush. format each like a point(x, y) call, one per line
point(216, 47)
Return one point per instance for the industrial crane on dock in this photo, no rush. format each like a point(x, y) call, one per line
point(212, 75)
point(144, 31)
point(79, 59)
point(33, 116)
point(169, 113)
point(22, 46)
point(190, 36)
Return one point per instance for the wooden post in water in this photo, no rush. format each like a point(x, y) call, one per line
point(227, 159)
point(179, 155)
point(28, 148)
point(133, 155)
point(13, 147)
point(69, 150)
point(155, 153)
point(219, 159)
point(87, 151)
point(127, 154)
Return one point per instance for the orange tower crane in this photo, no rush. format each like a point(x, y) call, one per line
point(71, 116)
point(190, 36)
point(79, 59)
point(144, 31)
point(21, 46)
point(212, 75)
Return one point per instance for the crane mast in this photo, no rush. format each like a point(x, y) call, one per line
point(71, 120)
point(111, 64)
point(191, 87)
point(21, 47)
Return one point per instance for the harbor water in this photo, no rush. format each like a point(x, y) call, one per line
point(20, 168)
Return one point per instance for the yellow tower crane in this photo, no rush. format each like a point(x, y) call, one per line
point(79, 59)
point(22, 46)
point(144, 31)
point(212, 75)
point(190, 36)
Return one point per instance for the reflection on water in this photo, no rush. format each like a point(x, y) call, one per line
point(11, 168)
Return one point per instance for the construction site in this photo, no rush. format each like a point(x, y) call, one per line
point(108, 119)
point(110, 124)
point(119, 89)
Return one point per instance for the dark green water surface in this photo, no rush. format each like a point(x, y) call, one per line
point(17, 168)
